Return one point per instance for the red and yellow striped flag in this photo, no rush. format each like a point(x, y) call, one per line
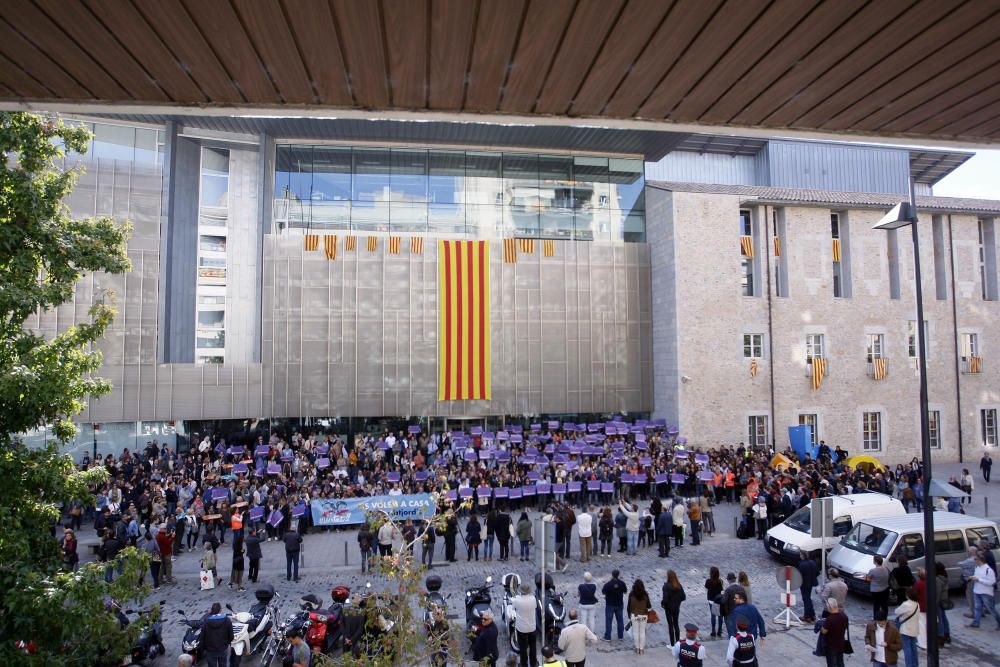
point(753, 367)
point(372, 243)
point(526, 245)
point(350, 243)
point(464, 320)
point(836, 250)
point(394, 243)
point(818, 371)
point(549, 248)
point(975, 364)
point(312, 242)
point(879, 368)
point(746, 246)
point(416, 245)
point(777, 247)
point(330, 246)
point(510, 251)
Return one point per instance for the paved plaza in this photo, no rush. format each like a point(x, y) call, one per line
point(324, 567)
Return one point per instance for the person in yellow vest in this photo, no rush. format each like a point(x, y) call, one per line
point(549, 658)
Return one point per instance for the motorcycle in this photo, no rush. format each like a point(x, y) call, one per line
point(148, 645)
point(191, 643)
point(552, 604)
point(477, 600)
point(433, 600)
point(372, 616)
point(312, 623)
point(255, 624)
point(511, 583)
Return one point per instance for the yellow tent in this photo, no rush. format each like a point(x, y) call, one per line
point(864, 460)
point(780, 462)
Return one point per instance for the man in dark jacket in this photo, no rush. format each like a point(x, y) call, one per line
point(450, 533)
point(664, 529)
point(614, 605)
point(293, 545)
point(254, 554)
point(216, 637)
point(729, 596)
point(503, 534)
point(809, 572)
point(485, 646)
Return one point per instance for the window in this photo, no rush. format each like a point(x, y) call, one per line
point(753, 346)
point(911, 338)
point(842, 525)
point(757, 430)
point(211, 319)
point(212, 243)
point(746, 254)
point(876, 347)
point(988, 422)
point(911, 546)
point(970, 346)
point(814, 347)
point(983, 270)
point(209, 360)
point(934, 428)
point(988, 533)
point(838, 276)
point(871, 428)
point(949, 542)
point(811, 420)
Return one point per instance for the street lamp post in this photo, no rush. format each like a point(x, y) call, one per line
point(903, 214)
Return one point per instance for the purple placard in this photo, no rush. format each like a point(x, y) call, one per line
point(502, 455)
point(219, 493)
point(503, 435)
point(323, 450)
point(485, 454)
point(526, 459)
point(607, 487)
point(574, 487)
point(457, 434)
point(235, 450)
point(575, 449)
point(220, 448)
point(240, 469)
point(707, 476)
point(645, 461)
point(558, 488)
point(701, 458)
point(593, 485)
point(412, 428)
point(451, 494)
point(550, 448)
point(515, 493)
point(470, 455)
point(528, 490)
point(682, 440)
point(263, 450)
point(681, 454)
point(533, 476)
point(299, 510)
point(516, 428)
point(501, 492)
point(553, 425)
point(563, 448)
point(287, 458)
point(276, 518)
point(676, 478)
point(673, 430)
point(392, 477)
point(516, 438)
point(535, 427)
point(531, 451)
point(543, 488)
point(642, 446)
point(609, 430)
point(593, 428)
point(640, 437)
point(421, 475)
point(484, 491)
point(476, 430)
point(489, 435)
point(465, 492)
point(273, 469)
point(662, 478)
point(617, 444)
point(256, 513)
point(382, 444)
point(626, 478)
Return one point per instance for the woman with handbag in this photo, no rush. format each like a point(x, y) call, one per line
point(638, 611)
point(944, 604)
point(908, 622)
point(835, 632)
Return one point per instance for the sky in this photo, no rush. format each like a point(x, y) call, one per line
point(979, 177)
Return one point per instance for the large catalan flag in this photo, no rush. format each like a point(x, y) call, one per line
point(818, 371)
point(463, 320)
point(879, 368)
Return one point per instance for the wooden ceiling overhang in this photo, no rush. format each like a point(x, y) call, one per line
point(922, 70)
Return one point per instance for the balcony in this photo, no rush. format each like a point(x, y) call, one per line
point(972, 365)
point(878, 368)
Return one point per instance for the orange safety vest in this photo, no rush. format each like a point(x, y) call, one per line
point(730, 479)
point(236, 521)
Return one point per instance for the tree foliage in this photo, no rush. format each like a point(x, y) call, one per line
point(44, 381)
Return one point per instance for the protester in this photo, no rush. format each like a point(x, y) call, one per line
point(878, 584)
point(254, 555)
point(584, 527)
point(835, 588)
point(631, 513)
point(901, 578)
point(484, 647)
point(907, 619)
point(524, 624)
point(673, 596)
point(166, 542)
point(638, 611)
point(968, 566)
point(743, 579)
point(473, 537)
point(984, 581)
point(808, 570)
point(236, 574)
point(524, 536)
point(614, 604)
point(606, 531)
point(293, 547)
point(713, 590)
point(216, 637)
point(574, 639)
point(882, 641)
point(587, 593)
point(835, 628)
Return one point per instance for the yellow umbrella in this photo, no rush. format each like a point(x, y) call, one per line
point(780, 462)
point(864, 460)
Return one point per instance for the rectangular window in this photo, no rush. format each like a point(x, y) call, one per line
point(970, 346)
point(934, 428)
point(814, 347)
point(838, 277)
point(753, 346)
point(757, 430)
point(988, 422)
point(746, 253)
point(876, 347)
point(911, 339)
point(811, 420)
point(871, 429)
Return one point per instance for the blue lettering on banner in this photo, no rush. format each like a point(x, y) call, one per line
point(346, 511)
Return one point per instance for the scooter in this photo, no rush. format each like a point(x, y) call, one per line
point(552, 605)
point(324, 630)
point(149, 644)
point(191, 644)
point(477, 600)
point(258, 621)
point(511, 584)
point(433, 600)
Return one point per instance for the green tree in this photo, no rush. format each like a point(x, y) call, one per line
point(44, 382)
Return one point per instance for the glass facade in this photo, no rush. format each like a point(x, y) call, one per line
point(122, 142)
point(469, 193)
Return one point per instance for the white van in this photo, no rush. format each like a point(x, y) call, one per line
point(892, 536)
point(789, 539)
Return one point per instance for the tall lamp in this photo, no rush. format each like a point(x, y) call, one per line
point(903, 214)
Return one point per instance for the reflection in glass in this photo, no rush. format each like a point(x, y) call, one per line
point(372, 167)
point(408, 181)
point(446, 177)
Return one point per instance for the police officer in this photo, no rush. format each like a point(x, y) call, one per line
point(742, 646)
point(688, 651)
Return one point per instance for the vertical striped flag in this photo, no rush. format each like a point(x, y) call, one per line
point(753, 367)
point(312, 242)
point(350, 243)
point(746, 246)
point(879, 369)
point(836, 250)
point(330, 246)
point(510, 251)
point(526, 245)
point(416, 245)
point(394, 243)
point(549, 248)
point(464, 320)
point(975, 364)
point(777, 247)
point(818, 371)
point(372, 243)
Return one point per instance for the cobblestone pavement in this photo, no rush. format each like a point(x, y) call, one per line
point(324, 567)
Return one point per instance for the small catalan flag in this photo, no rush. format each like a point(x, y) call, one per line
point(879, 368)
point(510, 251)
point(350, 243)
point(372, 243)
point(394, 243)
point(416, 245)
point(836, 250)
point(330, 246)
point(549, 248)
point(975, 364)
point(526, 245)
point(312, 242)
point(777, 247)
point(746, 246)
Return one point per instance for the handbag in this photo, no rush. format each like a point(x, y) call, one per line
point(947, 603)
point(207, 580)
point(848, 648)
point(652, 616)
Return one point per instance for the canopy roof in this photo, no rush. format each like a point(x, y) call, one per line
point(922, 69)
